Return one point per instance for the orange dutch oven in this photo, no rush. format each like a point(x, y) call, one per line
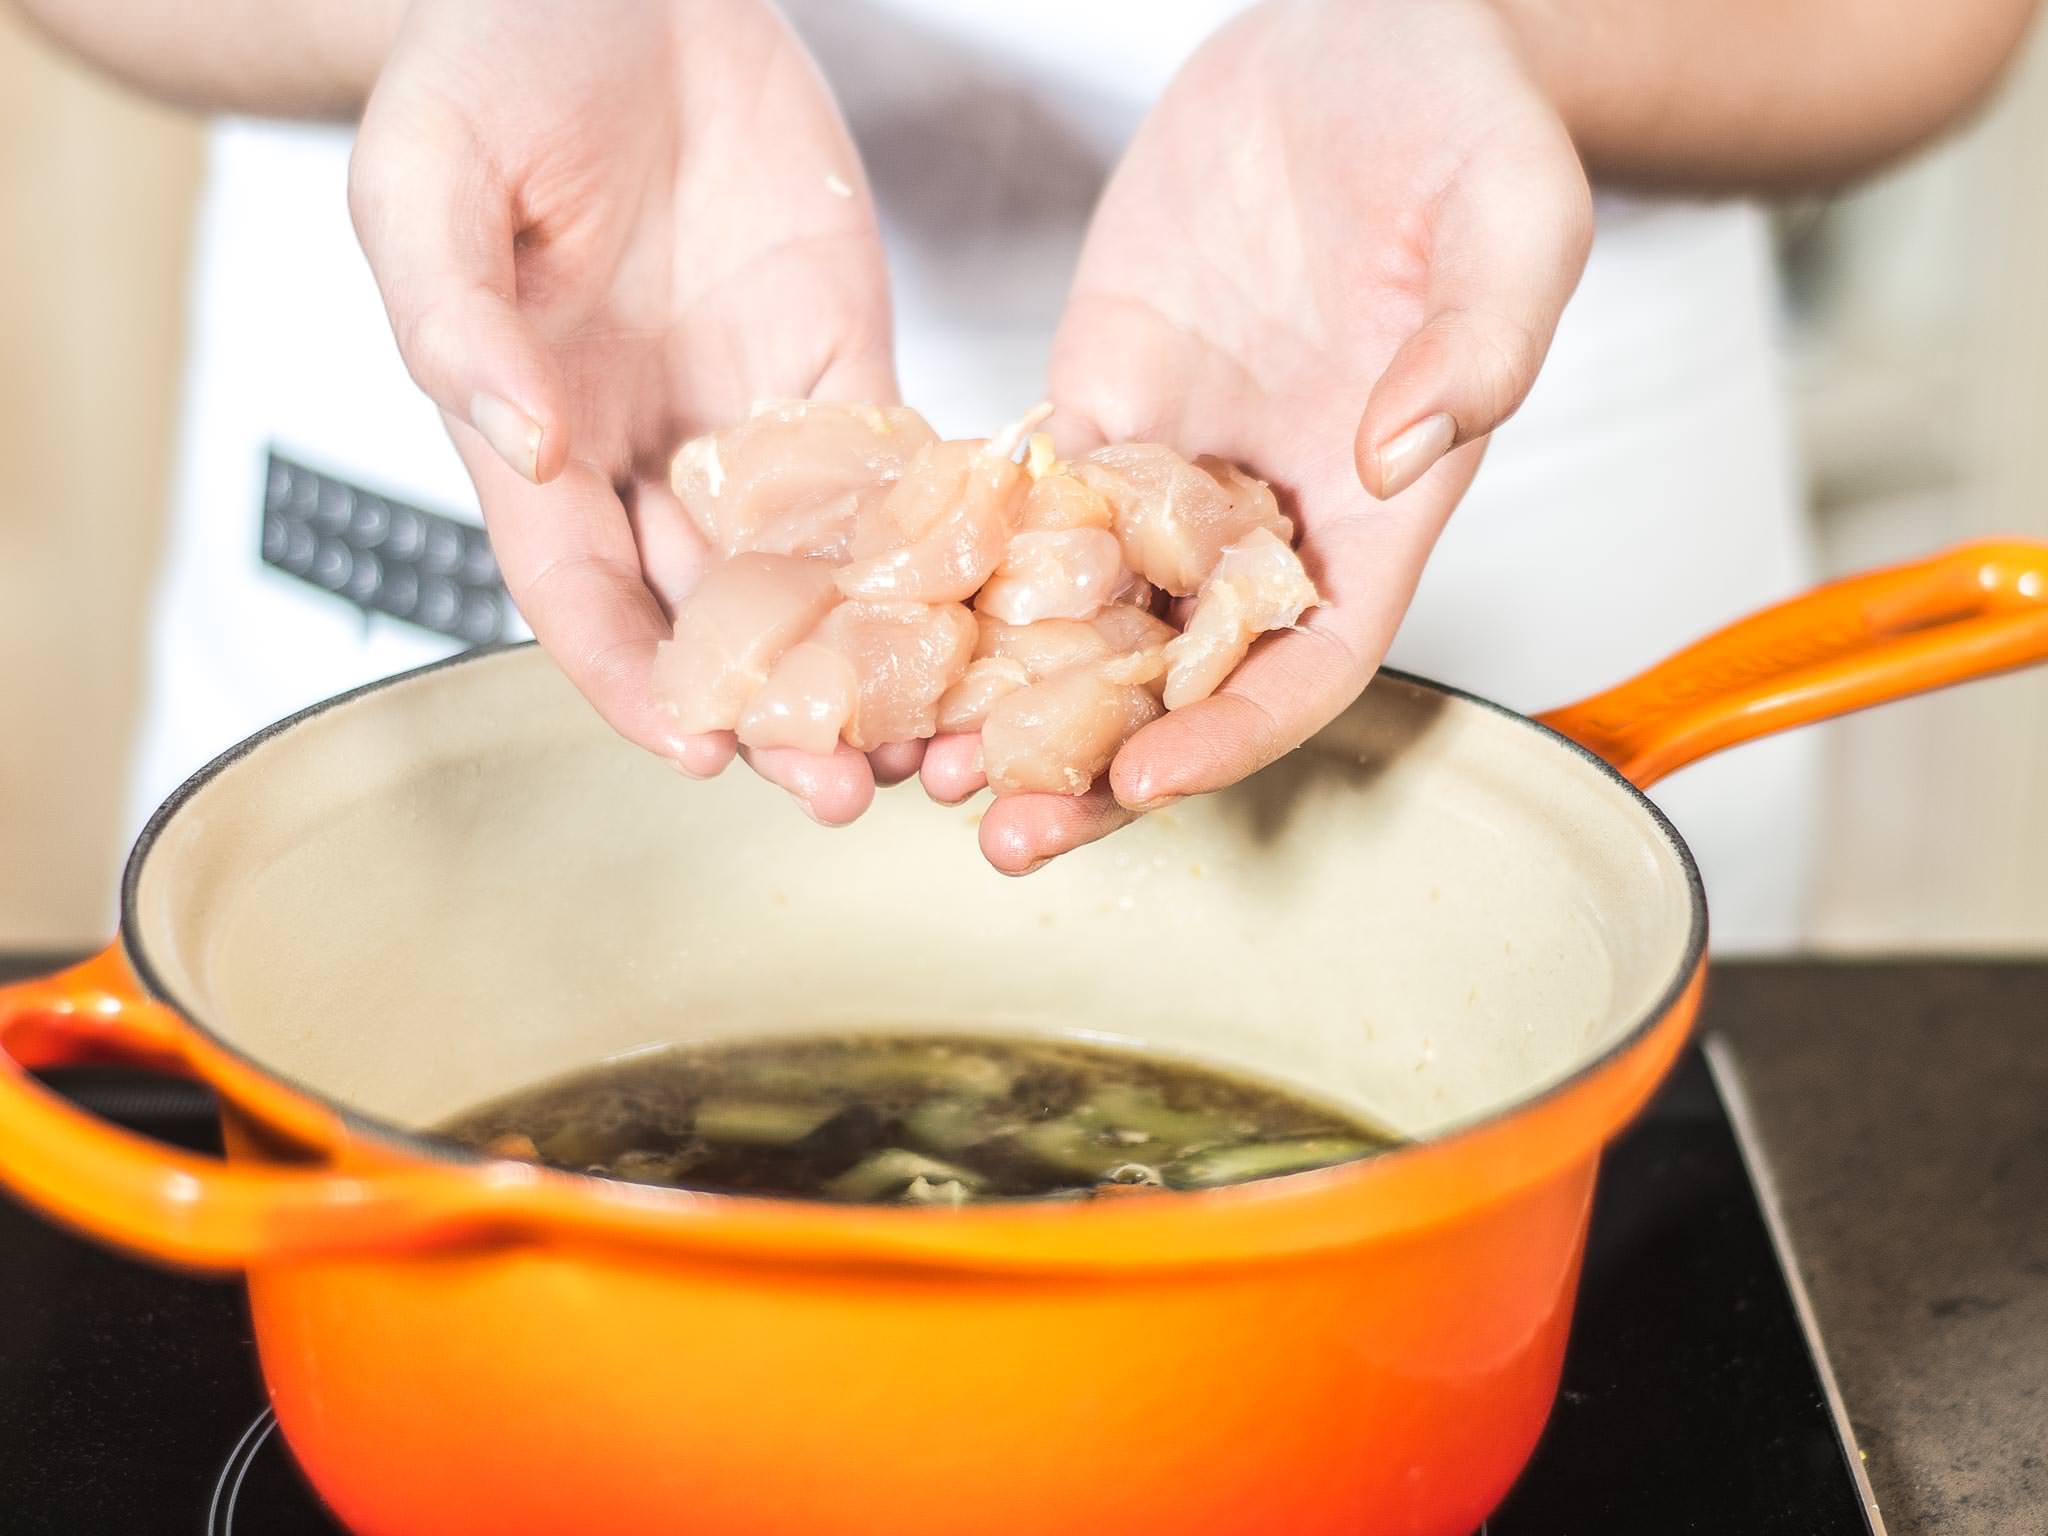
point(1466, 923)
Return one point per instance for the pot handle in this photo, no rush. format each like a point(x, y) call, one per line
point(173, 1206)
point(1972, 611)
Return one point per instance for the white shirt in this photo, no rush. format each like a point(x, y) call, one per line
point(1646, 493)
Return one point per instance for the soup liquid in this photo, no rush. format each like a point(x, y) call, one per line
point(923, 1119)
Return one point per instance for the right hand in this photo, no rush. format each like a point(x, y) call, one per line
point(600, 227)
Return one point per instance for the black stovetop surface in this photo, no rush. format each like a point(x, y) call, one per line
point(1692, 1401)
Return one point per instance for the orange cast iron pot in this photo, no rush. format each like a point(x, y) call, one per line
point(431, 891)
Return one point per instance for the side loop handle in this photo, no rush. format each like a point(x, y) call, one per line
point(174, 1206)
point(1973, 611)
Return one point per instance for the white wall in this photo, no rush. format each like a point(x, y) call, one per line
point(1923, 357)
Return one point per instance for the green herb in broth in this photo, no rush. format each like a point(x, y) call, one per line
point(916, 1119)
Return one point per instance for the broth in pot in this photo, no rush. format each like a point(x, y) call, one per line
point(920, 1119)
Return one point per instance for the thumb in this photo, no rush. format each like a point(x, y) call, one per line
point(436, 221)
point(865, 375)
point(1508, 243)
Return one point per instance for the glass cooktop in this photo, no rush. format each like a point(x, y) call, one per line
point(1693, 1401)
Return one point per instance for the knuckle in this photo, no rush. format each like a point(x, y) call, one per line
point(425, 335)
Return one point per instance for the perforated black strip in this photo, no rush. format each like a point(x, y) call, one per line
point(383, 556)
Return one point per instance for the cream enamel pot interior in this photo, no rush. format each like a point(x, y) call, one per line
point(1455, 919)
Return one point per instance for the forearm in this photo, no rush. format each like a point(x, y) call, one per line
point(1761, 95)
point(281, 58)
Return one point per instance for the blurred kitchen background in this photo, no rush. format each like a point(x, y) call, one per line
point(1919, 331)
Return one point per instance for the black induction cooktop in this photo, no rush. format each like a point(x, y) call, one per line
point(1694, 1399)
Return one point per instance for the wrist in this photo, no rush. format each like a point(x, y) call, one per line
point(349, 42)
point(1563, 60)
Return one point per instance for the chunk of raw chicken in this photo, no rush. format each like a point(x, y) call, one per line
point(805, 703)
point(1049, 646)
point(1121, 644)
point(1258, 585)
point(731, 631)
point(966, 704)
point(797, 477)
point(1137, 640)
point(905, 656)
point(1066, 573)
point(942, 528)
point(1056, 736)
point(1174, 519)
point(1059, 500)
point(851, 538)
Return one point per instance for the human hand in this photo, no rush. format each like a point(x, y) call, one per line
point(602, 226)
point(1339, 207)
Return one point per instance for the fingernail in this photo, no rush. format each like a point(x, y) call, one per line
point(1142, 797)
point(1406, 456)
point(684, 768)
point(510, 431)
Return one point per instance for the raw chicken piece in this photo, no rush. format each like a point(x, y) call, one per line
point(1258, 585)
point(1173, 518)
point(1041, 649)
point(797, 475)
point(1130, 627)
point(744, 614)
point(943, 527)
point(805, 703)
point(905, 655)
point(1252, 501)
point(1120, 644)
point(1118, 634)
point(1060, 500)
point(851, 538)
point(1137, 641)
point(966, 704)
point(1056, 736)
point(1062, 574)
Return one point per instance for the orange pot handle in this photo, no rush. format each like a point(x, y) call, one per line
point(174, 1206)
point(1972, 611)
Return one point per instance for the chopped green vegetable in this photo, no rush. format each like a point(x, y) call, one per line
point(1075, 1144)
point(923, 1067)
point(1261, 1160)
point(759, 1122)
point(645, 1167)
point(887, 1173)
point(1129, 1107)
point(948, 1125)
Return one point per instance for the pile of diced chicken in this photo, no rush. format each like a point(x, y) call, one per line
point(873, 584)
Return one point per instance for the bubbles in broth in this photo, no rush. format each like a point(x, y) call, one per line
point(917, 1119)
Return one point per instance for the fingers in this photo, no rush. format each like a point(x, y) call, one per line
point(867, 375)
point(436, 221)
point(832, 790)
point(1509, 242)
point(1295, 682)
point(952, 768)
point(896, 762)
point(1021, 832)
point(673, 554)
point(705, 756)
point(1291, 686)
point(568, 558)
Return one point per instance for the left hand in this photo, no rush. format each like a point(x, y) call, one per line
point(601, 227)
point(1339, 207)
